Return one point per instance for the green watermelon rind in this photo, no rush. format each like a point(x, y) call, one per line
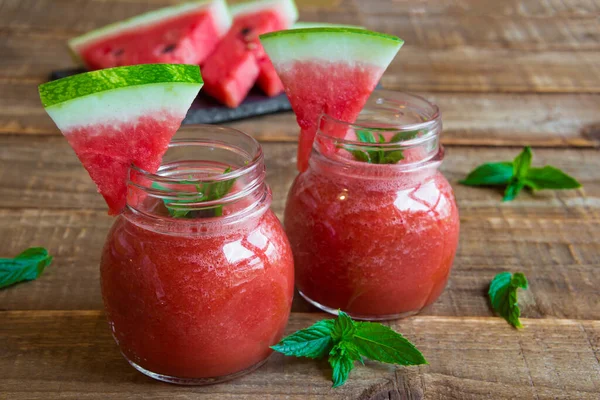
point(327, 44)
point(287, 8)
point(151, 17)
point(90, 83)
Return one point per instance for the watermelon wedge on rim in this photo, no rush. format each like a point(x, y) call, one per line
point(181, 34)
point(330, 70)
point(117, 117)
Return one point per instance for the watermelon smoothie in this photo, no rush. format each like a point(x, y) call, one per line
point(199, 298)
point(374, 240)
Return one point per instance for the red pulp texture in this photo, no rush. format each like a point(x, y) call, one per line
point(335, 88)
point(197, 306)
point(372, 247)
point(240, 60)
point(186, 39)
point(108, 150)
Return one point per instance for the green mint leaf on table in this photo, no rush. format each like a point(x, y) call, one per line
point(512, 190)
point(208, 191)
point(490, 174)
point(342, 360)
point(519, 174)
point(549, 178)
point(345, 341)
point(381, 343)
point(503, 296)
point(27, 266)
point(343, 328)
point(312, 342)
point(522, 163)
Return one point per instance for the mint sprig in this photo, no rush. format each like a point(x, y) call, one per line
point(378, 155)
point(519, 174)
point(503, 296)
point(206, 191)
point(27, 266)
point(345, 341)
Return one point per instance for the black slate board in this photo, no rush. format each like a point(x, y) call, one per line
point(205, 110)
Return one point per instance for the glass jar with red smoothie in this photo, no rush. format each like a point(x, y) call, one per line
point(197, 272)
point(372, 223)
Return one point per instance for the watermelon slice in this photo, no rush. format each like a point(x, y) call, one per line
point(186, 33)
point(115, 117)
point(328, 70)
point(239, 61)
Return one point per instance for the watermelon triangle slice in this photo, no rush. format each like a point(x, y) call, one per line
point(181, 34)
point(117, 117)
point(329, 70)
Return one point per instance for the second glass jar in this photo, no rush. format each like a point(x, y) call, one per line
point(372, 223)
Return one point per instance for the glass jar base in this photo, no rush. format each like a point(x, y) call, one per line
point(360, 317)
point(195, 381)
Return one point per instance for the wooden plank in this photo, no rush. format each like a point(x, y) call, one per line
point(548, 236)
point(489, 119)
point(560, 258)
point(468, 358)
point(50, 176)
point(465, 50)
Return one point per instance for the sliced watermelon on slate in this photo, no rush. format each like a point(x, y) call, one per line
point(182, 34)
point(239, 61)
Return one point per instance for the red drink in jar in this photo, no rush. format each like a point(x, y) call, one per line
point(197, 273)
point(373, 224)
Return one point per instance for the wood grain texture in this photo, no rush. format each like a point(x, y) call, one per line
point(524, 46)
point(550, 236)
point(470, 358)
point(495, 119)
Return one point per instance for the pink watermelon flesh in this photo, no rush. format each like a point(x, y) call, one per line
point(268, 80)
point(107, 151)
point(240, 60)
point(338, 89)
point(187, 39)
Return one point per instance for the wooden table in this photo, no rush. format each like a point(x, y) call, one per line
point(505, 74)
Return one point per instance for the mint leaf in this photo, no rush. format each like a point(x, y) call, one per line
point(522, 163)
point(401, 136)
point(549, 178)
point(519, 174)
point(512, 190)
point(379, 155)
point(312, 342)
point(503, 296)
point(347, 341)
point(207, 191)
point(392, 157)
point(490, 174)
point(365, 136)
point(380, 343)
point(360, 155)
point(27, 266)
point(343, 328)
point(342, 362)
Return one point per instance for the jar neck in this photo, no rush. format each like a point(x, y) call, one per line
point(395, 134)
point(211, 177)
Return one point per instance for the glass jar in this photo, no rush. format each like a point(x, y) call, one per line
point(376, 240)
point(197, 272)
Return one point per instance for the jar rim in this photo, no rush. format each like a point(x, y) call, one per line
point(392, 100)
point(206, 167)
point(185, 138)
